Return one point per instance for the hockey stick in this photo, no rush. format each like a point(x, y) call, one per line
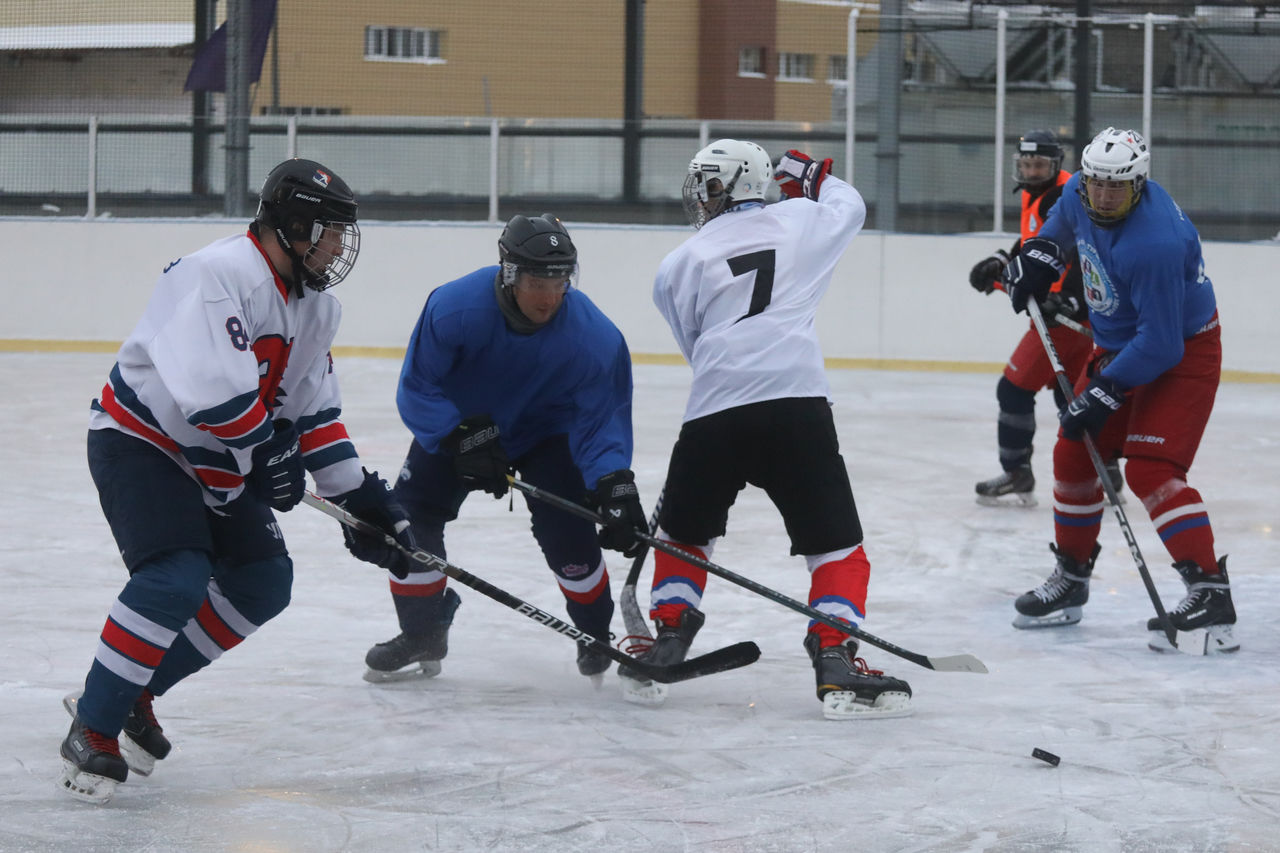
point(729, 657)
point(1067, 322)
point(1100, 468)
point(952, 663)
point(637, 625)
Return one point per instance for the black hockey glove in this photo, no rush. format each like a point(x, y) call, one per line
point(278, 476)
point(798, 174)
point(479, 459)
point(1090, 409)
point(1059, 304)
point(373, 502)
point(1032, 272)
point(618, 502)
point(982, 277)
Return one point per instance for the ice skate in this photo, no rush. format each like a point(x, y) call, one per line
point(1012, 488)
point(1204, 619)
point(409, 656)
point(849, 689)
point(1060, 599)
point(670, 646)
point(593, 662)
point(91, 765)
point(144, 742)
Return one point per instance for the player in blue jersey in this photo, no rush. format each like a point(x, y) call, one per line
point(1148, 389)
point(220, 401)
point(511, 368)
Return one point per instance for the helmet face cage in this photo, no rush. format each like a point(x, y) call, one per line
point(1114, 156)
point(302, 201)
point(1038, 147)
point(704, 195)
point(539, 247)
point(725, 173)
point(334, 247)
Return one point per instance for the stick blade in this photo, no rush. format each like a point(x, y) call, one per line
point(957, 663)
point(720, 660)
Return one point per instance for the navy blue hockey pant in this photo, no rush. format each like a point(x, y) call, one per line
point(200, 580)
point(431, 493)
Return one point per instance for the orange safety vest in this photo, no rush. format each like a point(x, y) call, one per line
point(1033, 218)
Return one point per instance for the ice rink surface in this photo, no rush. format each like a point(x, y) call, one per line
point(280, 746)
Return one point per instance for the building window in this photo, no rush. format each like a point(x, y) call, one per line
point(403, 44)
point(272, 110)
point(795, 66)
point(838, 69)
point(751, 62)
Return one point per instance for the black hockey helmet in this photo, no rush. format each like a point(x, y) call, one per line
point(1038, 143)
point(539, 246)
point(299, 200)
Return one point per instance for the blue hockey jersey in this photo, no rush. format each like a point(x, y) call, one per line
point(572, 376)
point(1144, 280)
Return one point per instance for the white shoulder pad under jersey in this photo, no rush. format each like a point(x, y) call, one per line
point(742, 293)
point(223, 347)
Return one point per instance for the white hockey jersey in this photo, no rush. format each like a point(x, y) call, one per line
point(742, 293)
point(223, 347)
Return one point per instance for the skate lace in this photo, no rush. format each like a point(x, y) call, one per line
point(1053, 587)
point(860, 667)
point(102, 743)
point(1195, 596)
point(668, 614)
point(143, 708)
point(635, 644)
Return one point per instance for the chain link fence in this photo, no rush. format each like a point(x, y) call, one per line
point(476, 110)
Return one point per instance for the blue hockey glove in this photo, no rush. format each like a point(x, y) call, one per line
point(1090, 409)
point(278, 476)
point(1032, 272)
point(618, 501)
point(799, 175)
point(373, 502)
point(982, 277)
point(479, 459)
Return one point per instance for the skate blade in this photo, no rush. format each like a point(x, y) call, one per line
point(1013, 500)
point(648, 693)
point(426, 669)
point(844, 705)
point(71, 701)
point(139, 760)
point(1056, 619)
point(1214, 640)
point(85, 787)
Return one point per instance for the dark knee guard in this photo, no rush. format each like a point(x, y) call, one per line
point(1016, 425)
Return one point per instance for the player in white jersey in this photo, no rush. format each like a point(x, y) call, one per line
point(740, 296)
point(220, 400)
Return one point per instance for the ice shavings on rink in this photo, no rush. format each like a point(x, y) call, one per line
point(280, 746)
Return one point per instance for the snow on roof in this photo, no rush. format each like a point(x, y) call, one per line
point(82, 36)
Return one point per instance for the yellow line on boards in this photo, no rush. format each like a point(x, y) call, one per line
point(902, 364)
point(18, 345)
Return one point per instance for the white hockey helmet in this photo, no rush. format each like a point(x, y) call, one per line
point(1114, 157)
point(725, 173)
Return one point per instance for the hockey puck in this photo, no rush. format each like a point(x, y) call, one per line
point(1046, 757)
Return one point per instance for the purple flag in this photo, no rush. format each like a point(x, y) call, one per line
point(209, 68)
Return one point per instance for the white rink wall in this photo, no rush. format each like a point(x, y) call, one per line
point(894, 298)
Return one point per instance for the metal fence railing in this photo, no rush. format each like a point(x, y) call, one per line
point(113, 133)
